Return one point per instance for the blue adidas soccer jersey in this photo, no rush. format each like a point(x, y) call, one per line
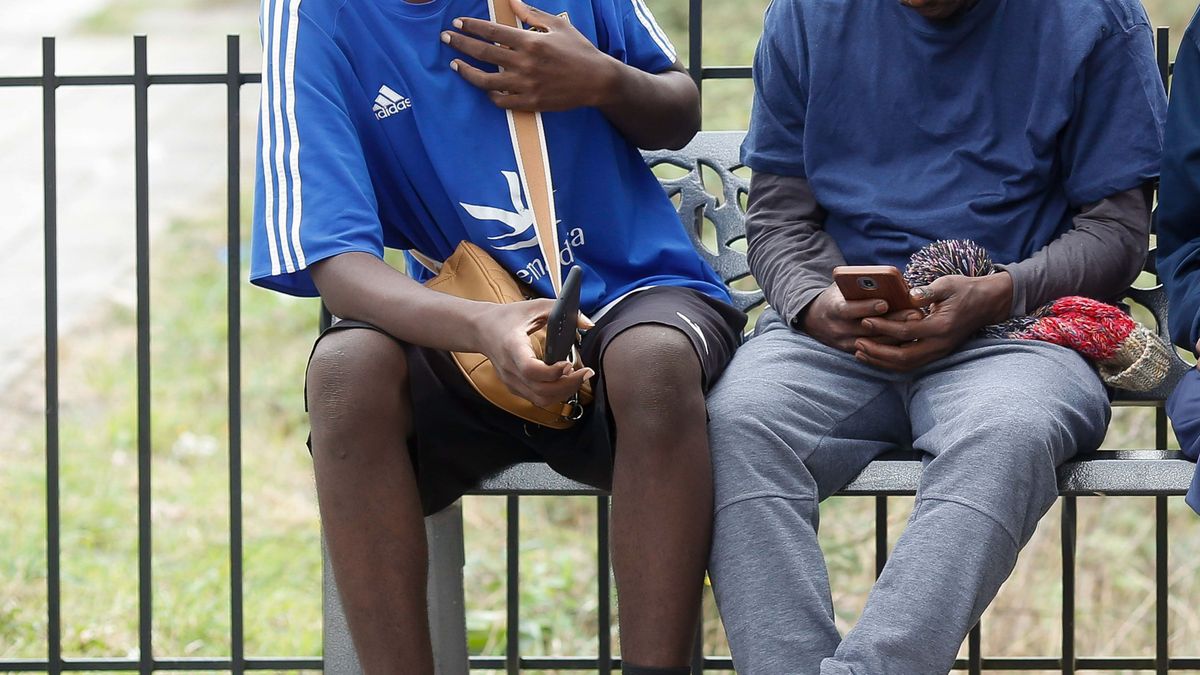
point(369, 140)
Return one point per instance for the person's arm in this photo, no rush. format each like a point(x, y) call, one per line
point(556, 68)
point(363, 287)
point(790, 254)
point(1098, 257)
point(792, 257)
point(1178, 218)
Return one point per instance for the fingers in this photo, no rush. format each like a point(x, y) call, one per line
point(509, 101)
point(902, 358)
point(921, 296)
point(863, 357)
point(498, 86)
point(905, 330)
point(535, 313)
point(492, 31)
point(850, 330)
point(484, 51)
point(492, 83)
point(544, 69)
point(837, 322)
point(851, 310)
point(939, 290)
point(547, 385)
point(880, 339)
point(534, 371)
point(846, 323)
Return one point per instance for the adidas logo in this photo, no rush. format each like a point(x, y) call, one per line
point(388, 103)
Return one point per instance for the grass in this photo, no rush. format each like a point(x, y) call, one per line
point(190, 477)
point(559, 607)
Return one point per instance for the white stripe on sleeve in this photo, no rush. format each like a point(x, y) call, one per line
point(652, 27)
point(264, 113)
point(277, 113)
point(290, 88)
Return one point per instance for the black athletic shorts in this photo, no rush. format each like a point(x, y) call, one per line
point(459, 438)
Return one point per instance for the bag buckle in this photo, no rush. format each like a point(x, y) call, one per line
point(576, 412)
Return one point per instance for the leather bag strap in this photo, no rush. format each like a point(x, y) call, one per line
point(533, 165)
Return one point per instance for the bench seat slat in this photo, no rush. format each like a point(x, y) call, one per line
point(1118, 472)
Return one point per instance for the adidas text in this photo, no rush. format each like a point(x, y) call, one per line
point(388, 103)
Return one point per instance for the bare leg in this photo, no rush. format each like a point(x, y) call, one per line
point(662, 492)
point(370, 508)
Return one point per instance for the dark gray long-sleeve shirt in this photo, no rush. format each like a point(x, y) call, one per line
point(792, 256)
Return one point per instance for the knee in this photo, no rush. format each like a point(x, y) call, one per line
point(1037, 432)
point(652, 372)
point(749, 415)
point(1060, 407)
point(1009, 439)
point(356, 377)
point(1004, 457)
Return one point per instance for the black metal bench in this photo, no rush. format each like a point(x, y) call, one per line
point(1156, 472)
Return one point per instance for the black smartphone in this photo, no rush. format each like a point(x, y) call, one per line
point(564, 319)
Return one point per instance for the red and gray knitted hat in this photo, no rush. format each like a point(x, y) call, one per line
point(1127, 354)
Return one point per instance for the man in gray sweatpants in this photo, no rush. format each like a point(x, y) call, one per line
point(1032, 128)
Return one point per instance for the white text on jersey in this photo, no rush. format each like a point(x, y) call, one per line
point(388, 103)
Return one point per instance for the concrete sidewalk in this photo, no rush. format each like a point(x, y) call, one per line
point(95, 155)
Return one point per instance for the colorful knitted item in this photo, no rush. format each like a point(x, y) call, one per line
point(946, 257)
point(1088, 326)
point(1127, 354)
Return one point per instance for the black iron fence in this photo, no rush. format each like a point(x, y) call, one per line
point(141, 80)
point(233, 79)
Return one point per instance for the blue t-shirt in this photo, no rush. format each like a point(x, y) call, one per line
point(996, 126)
point(369, 140)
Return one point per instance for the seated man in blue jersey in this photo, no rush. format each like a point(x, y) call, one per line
point(384, 125)
point(1030, 127)
point(1178, 220)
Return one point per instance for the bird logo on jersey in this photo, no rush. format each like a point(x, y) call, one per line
point(518, 222)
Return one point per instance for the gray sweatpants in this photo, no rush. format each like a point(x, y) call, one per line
point(793, 421)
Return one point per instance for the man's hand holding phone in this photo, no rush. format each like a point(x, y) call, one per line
point(834, 320)
point(958, 307)
point(856, 314)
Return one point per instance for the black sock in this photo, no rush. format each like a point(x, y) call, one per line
point(630, 669)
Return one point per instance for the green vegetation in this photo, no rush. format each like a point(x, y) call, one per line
point(1115, 613)
point(190, 475)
